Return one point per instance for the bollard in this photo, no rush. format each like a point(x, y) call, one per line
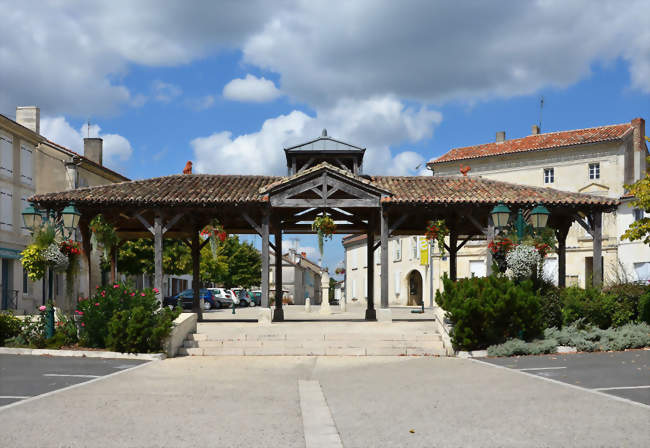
point(233, 306)
point(307, 305)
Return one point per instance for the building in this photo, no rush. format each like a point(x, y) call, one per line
point(600, 160)
point(301, 277)
point(31, 164)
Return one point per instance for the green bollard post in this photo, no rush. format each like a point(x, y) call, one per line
point(49, 321)
point(233, 306)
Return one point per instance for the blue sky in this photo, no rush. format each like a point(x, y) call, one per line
point(228, 84)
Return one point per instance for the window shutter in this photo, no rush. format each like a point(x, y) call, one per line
point(26, 164)
point(397, 244)
point(398, 275)
point(6, 209)
point(24, 203)
point(6, 156)
point(378, 255)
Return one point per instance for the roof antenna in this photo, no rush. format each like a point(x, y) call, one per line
point(88, 129)
point(541, 108)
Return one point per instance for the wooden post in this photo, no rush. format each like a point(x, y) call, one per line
point(265, 259)
point(384, 257)
point(597, 224)
point(87, 247)
point(278, 313)
point(371, 314)
point(114, 264)
point(196, 272)
point(490, 238)
point(453, 250)
point(158, 249)
point(561, 234)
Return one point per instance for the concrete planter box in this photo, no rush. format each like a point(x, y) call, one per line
point(183, 325)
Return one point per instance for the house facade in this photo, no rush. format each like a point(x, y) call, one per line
point(598, 161)
point(31, 164)
point(301, 278)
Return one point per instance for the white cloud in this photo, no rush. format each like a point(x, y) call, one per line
point(165, 92)
point(116, 148)
point(377, 124)
point(202, 103)
point(251, 89)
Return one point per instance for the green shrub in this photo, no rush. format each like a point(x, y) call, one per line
point(644, 308)
point(551, 298)
point(489, 310)
point(612, 307)
point(32, 333)
point(9, 326)
point(517, 347)
point(140, 329)
point(591, 339)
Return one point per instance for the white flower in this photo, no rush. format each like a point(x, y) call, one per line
point(56, 258)
point(522, 262)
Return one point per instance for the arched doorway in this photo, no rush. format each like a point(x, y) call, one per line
point(415, 289)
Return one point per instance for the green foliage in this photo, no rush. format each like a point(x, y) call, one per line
point(325, 227)
point(65, 330)
point(237, 264)
point(551, 298)
point(44, 236)
point(644, 308)
point(489, 310)
point(32, 333)
point(104, 233)
point(9, 326)
point(613, 307)
point(640, 229)
point(140, 329)
point(34, 262)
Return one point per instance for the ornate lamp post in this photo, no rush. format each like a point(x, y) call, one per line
point(539, 217)
point(33, 218)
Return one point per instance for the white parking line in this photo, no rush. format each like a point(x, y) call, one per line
point(71, 375)
point(318, 425)
point(541, 368)
point(16, 397)
point(622, 388)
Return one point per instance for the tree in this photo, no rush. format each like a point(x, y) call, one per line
point(137, 257)
point(640, 229)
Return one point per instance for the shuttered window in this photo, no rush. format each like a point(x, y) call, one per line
point(6, 156)
point(397, 246)
point(398, 275)
point(24, 203)
point(6, 209)
point(26, 164)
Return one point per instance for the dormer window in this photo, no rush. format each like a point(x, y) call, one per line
point(549, 175)
point(594, 171)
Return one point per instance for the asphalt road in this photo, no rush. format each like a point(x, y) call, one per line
point(623, 374)
point(324, 401)
point(23, 377)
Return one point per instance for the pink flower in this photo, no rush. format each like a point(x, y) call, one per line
point(116, 286)
point(82, 324)
point(41, 308)
point(96, 303)
point(132, 294)
point(143, 294)
point(81, 313)
point(156, 290)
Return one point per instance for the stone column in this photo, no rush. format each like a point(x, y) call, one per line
point(325, 297)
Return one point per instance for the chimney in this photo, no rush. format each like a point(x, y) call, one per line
point(535, 130)
point(501, 136)
point(638, 124)
point(71, 175)
point(303, 254)
point(30, 117)
point(93, 149)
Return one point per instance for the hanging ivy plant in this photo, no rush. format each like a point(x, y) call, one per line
point(33, 257)
point(104, 233)
point(325, 227)
point(437, 230)
point(216, 233)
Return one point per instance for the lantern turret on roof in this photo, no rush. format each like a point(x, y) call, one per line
point(324, 149)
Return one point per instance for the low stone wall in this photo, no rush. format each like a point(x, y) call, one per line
point(443, 329)
point(183, 325)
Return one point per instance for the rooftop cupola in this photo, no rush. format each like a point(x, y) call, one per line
point(324, 149)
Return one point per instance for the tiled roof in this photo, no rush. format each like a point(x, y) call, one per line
point(462, 189)
point(192, 189)
point(207, 190)
point(86, 159)
point(537, 142)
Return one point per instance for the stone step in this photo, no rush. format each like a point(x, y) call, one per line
point(317, 337)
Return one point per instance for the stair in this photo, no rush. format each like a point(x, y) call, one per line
point(315, 339)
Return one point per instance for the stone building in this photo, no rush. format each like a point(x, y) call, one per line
point(301, 277)
point(31, 164)
point(600, 161)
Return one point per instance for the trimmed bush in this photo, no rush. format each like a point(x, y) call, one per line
point(613, 307)
point(644, 308)
point(551, 299)
point(140, 329)
point(517, 347)
point(9, 326)
point(489, 310)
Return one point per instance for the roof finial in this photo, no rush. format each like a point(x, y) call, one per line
point(324, 134)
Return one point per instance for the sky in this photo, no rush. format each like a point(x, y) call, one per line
point(228, 84)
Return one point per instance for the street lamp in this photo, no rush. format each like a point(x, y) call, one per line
point(32, 217)
point(500, 215)
point(71, 217)
point(539, 217)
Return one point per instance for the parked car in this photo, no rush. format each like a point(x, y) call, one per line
point(244, 297)
point(223, 296)
point(256, 296)
point(234, 296)
point(186, 297)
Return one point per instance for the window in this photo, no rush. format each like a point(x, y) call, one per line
point(24, 203)
point(414, 248)
point(6, 156)
point(397, 250)
point(353, 259)
point(642, 271)
point(6, 209)
point(26, 164)
point(378, 255)
point(549, 175)
point(594, 171)
point(398, 275)
point(25, 284)
point(638, 214)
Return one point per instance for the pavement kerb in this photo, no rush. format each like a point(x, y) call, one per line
point(81, 353)
point(551, 380)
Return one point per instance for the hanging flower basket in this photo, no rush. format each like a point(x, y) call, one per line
point(215, 232)
point(437, 231)
point(339, 271)
point(500, 248)
point(325, 227)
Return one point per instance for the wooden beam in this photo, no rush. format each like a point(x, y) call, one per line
point(397, 223)
point(145, 223)
point(252, 223)
point(453, 247)
point(196, 271)
point(585, 225)
point(384, 257)
point(278, 313)
point(560, 234)
point(265, 259)
point(597, 220)
point(371, 313)
point(171, 223)
point(319, 203)
point(476, 224)
point(158, 254)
